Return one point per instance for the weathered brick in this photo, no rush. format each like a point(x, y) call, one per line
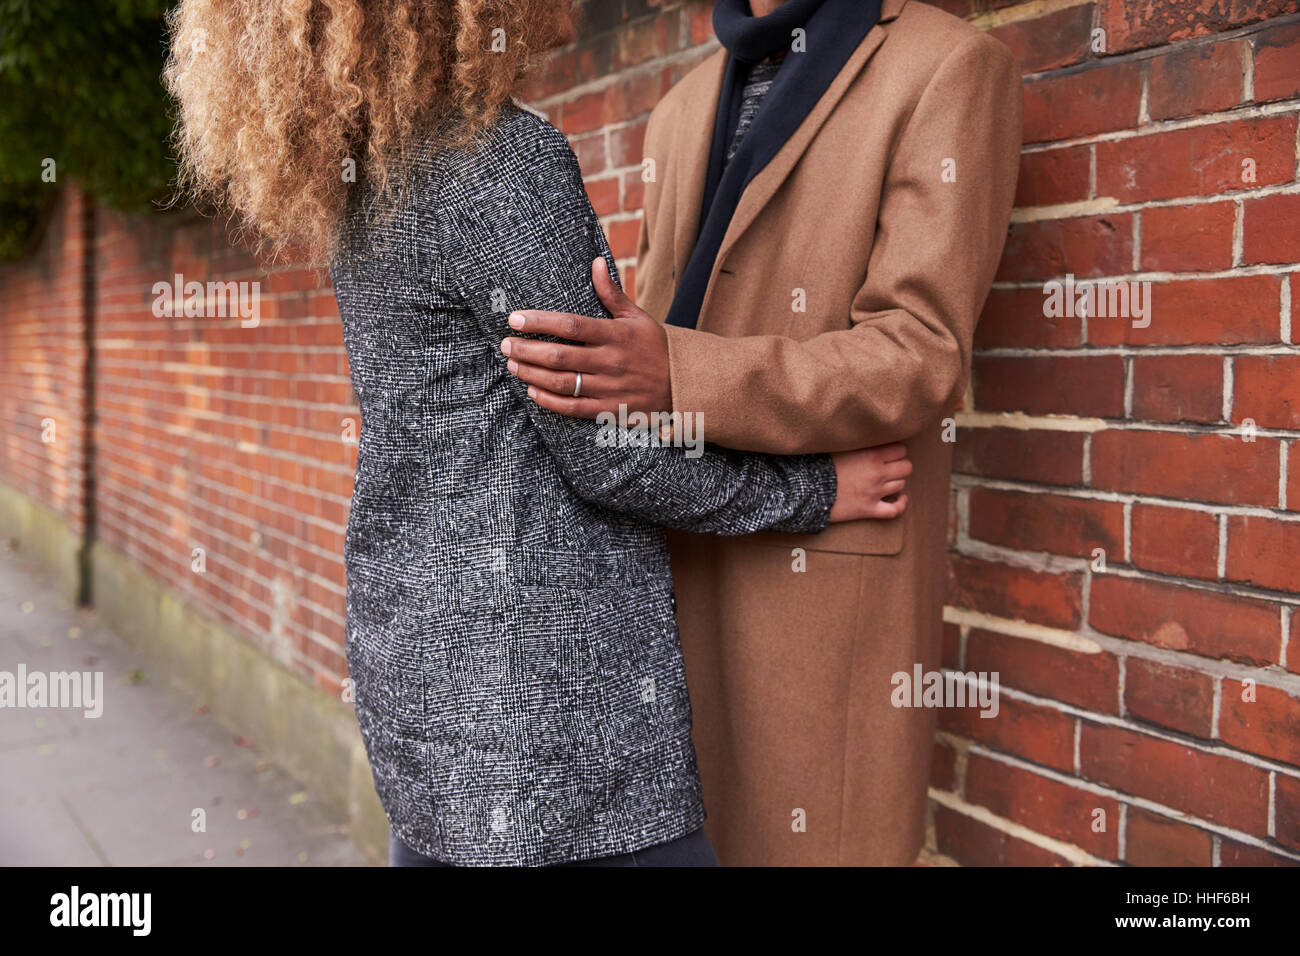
point(1091, 386)
point(1042, 735)
point(1095, 100)
point(974, 843)
point(1180, 618)
point(1191, 238)
point(1131, 26)
point(1211, 786)
point(1013, 318)
point(1041, 522)
point(1219, 467)
point(1268, 725)
point(1018, 593)
point(1152, 840)
point(1178, 388)
point(1052, 176)
point(1078, 817)
point(1086, 680)
point(1198, 160)
point(1050, 457)
point(1051, 41)
point(1176, 541)
point(1271, 229)
point(1203, 78)
point(1086, 246)
point(1277, 62)
point(1175, 697)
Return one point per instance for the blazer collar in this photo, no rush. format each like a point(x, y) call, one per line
point(697, 136)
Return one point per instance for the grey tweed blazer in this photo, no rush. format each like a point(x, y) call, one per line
point(511, 632)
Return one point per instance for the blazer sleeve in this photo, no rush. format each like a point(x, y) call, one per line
point(903, 361)
point(517, 231)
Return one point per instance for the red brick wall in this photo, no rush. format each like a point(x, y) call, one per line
point(1125, 680)
point(1122, 687)
point(42, 361)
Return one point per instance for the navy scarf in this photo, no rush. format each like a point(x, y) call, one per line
point(833, 30)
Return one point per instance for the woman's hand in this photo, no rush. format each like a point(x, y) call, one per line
point(866, 478)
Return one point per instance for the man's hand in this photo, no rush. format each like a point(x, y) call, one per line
point(623, 362)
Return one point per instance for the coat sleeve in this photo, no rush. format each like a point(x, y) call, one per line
point(517, 231)
point(903, 361)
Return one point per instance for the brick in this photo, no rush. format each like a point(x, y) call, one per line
point(1132, 26)
point(583, 115)
point(623, 237)
point(1268, 726)
point(1293, 476)
point(1211, 786)
point(1240, 310)
point(1043, 735)
point(1151, 840)
point(958, 8)
point(1085, 246)
point(633, 191)
point(1266, 388)
point(1049, 457)
point(1203, 78)
point(603, 194)
point(951, 647)
point(1046, 806)
point(1295, 306)
point(1052, 176)
point(701, 21)
point(1208, 623)
point(1017, 593)
point(1220, 467)
point(1091, 386)
point(1232, 853)
point(1044, 522)
point(1090, 681)
point(1277, 62)
point(974, 843)
point(1190, 238)
point(593, 157)
point(1175, 541)
point(1263, 552)
point(1287, 810)
point(1013, 318)
point(1178, 388)
point(645, 39)
point(1095, 100)
point(943, 767)
point(1048, 42)
point(1175, 697)
point(1270, 229)
point(634, 96)
point(627, 145)
point(1198, 160)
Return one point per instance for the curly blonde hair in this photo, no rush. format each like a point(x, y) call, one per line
point(275, 97)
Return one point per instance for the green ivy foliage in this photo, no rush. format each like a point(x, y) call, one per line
point(80, 83)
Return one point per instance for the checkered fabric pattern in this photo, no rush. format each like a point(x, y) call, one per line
point(511, 631)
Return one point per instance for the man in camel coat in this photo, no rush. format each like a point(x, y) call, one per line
point(822, 299)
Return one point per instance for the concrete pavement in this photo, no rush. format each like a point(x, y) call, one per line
point(132, 786)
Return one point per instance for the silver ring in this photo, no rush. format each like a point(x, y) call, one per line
point(577, 386)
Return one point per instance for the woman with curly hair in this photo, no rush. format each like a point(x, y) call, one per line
point(510, 629)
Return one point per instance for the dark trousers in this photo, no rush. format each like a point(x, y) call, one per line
point(693, 849)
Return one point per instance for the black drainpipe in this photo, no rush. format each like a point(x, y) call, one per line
point(84, 567)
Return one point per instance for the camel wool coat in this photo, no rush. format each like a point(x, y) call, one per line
point(839, 315)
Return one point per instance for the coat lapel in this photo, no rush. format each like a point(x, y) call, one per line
point(764, 186)
point(692, 168)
